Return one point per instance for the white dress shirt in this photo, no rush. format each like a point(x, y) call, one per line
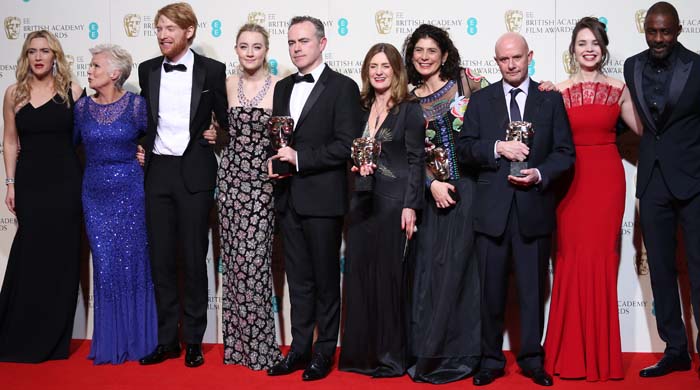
point(173, 132)
point(300, 94)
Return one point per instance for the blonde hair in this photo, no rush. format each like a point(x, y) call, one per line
point(181, 14)
point(254, 27)
point(62, 76)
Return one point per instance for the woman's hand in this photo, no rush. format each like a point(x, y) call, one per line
point(10, 198)
point(441, 194)
point(364, 170)
point(140, 155)
point(408, 222)
point(210, 135)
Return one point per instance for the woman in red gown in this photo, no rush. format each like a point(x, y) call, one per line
point(583, 333)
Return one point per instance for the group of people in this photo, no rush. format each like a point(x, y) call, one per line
point(450, 211)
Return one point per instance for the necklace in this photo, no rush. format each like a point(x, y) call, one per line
point(377, 118)
point(245, 102)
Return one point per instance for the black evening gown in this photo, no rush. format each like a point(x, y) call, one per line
point(445, 319)
point(378, 258)
point(40, 289)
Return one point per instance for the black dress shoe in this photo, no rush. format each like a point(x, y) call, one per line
point(319, 368)
point(292, 362)
point(161, 354)
point(666, 365)
point(193, 355)
point(539, 376)
point(486, 376)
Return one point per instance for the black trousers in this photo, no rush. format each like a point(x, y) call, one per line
point(529, 262)
point(312, 265)
point(177, 218)
point(660, 214)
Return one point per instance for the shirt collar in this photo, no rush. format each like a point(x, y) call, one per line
point(524, 86)
point(187, 60)
point(317, 71)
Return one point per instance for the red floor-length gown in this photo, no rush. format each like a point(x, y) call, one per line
point(583, 333)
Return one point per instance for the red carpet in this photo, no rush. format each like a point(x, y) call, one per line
point(79, 373)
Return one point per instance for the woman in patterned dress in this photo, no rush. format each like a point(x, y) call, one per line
point(246, 215)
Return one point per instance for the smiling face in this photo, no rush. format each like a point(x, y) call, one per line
point(40, 56)
point(661, 34)
point(381, 73)
point(101, 72)
point(513, 58)
point(587, 50)
point(172, 39)
point(251, 50)
point(428, 58)
point(305, 48)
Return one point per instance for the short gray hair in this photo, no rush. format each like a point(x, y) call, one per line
point(318, 24)
point(119, 59)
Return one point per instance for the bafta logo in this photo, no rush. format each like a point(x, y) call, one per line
point(569, 65)
point(71, 60)
point(639, 17)
point(12, 27)
point(132, 25)
point(641, 264)
point(384, 20)
point(256, 17)
point(514, 20)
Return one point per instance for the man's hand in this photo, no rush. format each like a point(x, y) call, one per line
point(140, 155)
point(287, 154)
point(512, 150)
point(531, 178)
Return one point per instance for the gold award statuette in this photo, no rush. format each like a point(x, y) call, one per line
point(12, 27)
point(520, 131)
point(438, 163)
point(383, 20)
point(365, 151)
point(281, 131)
point(132, 25)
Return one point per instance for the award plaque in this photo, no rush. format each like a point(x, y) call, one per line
point(365, 151)
point(281, 131)
point(520, 131)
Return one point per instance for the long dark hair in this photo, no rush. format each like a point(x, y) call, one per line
point(598, 29)
point(449, 70)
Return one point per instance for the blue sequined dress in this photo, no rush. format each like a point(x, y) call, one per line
point(125, 319)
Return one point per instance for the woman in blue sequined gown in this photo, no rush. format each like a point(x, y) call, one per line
point(109, 124)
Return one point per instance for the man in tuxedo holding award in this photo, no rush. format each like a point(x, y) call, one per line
point(664, 83)
point(182, 89)
point(516, 204)
point(311, 202)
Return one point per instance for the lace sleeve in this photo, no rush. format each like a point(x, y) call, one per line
point(140, 114)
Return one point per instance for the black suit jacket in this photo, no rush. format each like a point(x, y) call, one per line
point(676, 142)
point(552, 153)
point(401, 164)
point(329, 121)
point(208, 95)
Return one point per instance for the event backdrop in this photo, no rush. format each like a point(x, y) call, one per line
point(351, 28)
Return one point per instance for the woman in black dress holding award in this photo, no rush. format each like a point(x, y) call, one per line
point(382, 222)
point(445, 321)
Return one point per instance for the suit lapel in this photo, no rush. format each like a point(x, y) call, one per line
point(639, 90)
point(287, 87)
point(198, 76)
point(679, 77)
point(498, 102)
point(154, 88)
point(315, 93)
point(532, 103)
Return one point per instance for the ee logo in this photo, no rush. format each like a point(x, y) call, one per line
point(531, 68)
point(471, 26)
point(342, 27)
point(216, 28)
point(93, 31)
point(272, 64)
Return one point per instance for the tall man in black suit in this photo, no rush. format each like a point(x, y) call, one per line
point(514, 216)
point(311, 203)
point(182, 89)
point(664, 82)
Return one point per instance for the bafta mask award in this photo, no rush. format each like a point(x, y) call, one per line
point(438, 163)
point(365, 151)
point(281, 131)
point(520, 131)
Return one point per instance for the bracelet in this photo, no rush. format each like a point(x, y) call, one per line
point(9, 181)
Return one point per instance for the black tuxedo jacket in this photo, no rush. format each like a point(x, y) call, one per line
point(208, 95)
point(675, 143)
point(329, 121)
point(552, 153)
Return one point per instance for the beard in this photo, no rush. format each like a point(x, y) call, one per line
point(175, 49)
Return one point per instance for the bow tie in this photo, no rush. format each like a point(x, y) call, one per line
point(307, 78)
point(170, 67)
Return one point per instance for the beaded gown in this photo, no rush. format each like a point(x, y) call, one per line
point(246, 219)
point(125, 318)
point(446, 325)
point(40, 289)
point(583, 333)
